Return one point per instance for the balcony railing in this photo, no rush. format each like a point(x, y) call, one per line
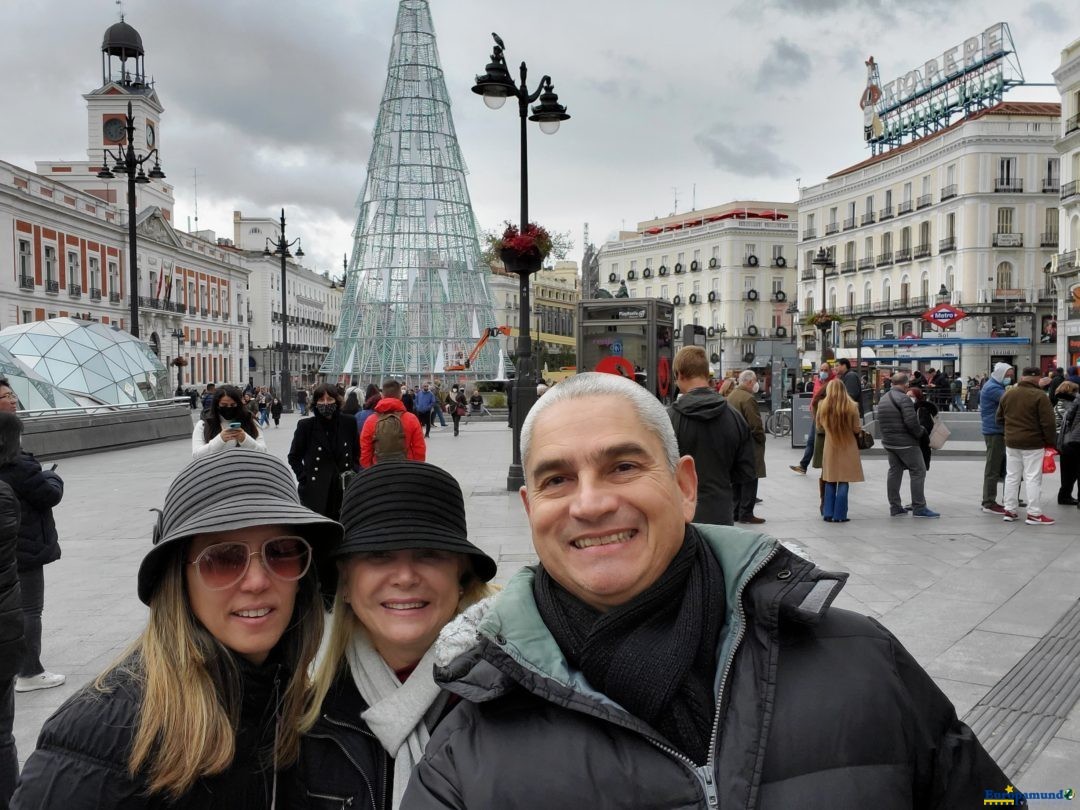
point(884, 259)
point(191, 310)
point(946, 244)
point(1008, 240)
point(922, 251)
point(1068, 260)
point(948, 192)
point(848, 266)
point(809, 233)
point(831, 228)
point(849, 224)
point(885, 213)
point(205, 312)
point(1072, 124)
point(904, 208)
point(808, 275)
point(831, 271)
point(114, 298)
point(903, 255)
point(52, 286)
point(75, 290)
point(1070, 189)
point(26, 282)
point(867, 218)
point(1049, 239)
point(1051, 186)
point(918, 301)
point(926, 200)
point(867, 263)
point(1012, 186)
point(95, 294)
point(861, 309)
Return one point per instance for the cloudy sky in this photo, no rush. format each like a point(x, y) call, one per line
point(273, 101)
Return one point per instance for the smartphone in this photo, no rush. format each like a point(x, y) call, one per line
point(235, 425)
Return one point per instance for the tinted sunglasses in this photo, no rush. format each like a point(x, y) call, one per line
point(223, 565)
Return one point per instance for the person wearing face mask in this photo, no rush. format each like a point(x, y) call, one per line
point(226, 424)
point(325, 452)
point(743, 400)
point(820, 380)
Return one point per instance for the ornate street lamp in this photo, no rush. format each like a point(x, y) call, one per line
point(496, 85)
point(178, 336)
point(281, 248)
point(824, 260)
point(127, 161)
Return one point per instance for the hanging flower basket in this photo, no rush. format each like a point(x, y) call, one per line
point(822, 319)
point(532, 242)
point(179, 362)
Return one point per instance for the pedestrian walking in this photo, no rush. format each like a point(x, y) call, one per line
point(851, 381)
point(263, 402)
point(990, 395)
point(651, 662)
point(457, 406)
point(408, 399)
point(371, 399)
point(392, 433)
point(208, 395)
point(204, 709)
point(841, 466)
point(11, 639)
point(302, 401)
point(1065, 414)
point(226, 424)
point(714, 434)
point(900, 434)
point(38, 491)
point(742, 399)
point(824, 375)
point(1027, 416)
point(926, 412)
point(325, 452)
point(276, 407)
point(425, 404)
point(375, 699)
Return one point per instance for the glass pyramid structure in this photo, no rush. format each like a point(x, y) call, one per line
point(85, 357)
point(35, 393)
point(416, 297)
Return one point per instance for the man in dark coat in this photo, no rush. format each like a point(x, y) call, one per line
point(651, 662)
point(714, 434)
point(851, 381)
point(900, 435)
point(11, 636)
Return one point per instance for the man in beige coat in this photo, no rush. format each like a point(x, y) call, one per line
point(743, 400)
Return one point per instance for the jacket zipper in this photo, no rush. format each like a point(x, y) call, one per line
point(705, 772)
point(348, 756)
point(346, 801)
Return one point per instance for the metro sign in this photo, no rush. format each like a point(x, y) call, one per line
point(944, 316)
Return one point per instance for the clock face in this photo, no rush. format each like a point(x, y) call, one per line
point(114, 130)
point(151, 135)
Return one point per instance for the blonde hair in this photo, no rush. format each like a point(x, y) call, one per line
point(727, 386)
point(192, 688)
point(836, 411)
point(344, 625)
point(1067, 388)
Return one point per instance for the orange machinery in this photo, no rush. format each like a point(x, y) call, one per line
point(489, 333)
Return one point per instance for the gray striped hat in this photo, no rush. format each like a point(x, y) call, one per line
point(235, 489)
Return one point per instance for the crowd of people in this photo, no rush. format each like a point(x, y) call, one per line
point(653, 657)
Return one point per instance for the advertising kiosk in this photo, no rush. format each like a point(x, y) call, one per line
point(631, 337)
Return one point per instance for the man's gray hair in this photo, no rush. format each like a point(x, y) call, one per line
point(900, 378)
point(652, 415)
point(746, 375)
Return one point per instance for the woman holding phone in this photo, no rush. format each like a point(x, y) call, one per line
point(226, 423)
point(203, 709)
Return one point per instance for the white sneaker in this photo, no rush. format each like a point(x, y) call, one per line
point(44, 680)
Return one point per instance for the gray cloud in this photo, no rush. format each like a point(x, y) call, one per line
point(786, 64)
point(745, 151)
point(1046, 16)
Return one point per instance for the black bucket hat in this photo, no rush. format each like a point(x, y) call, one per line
point(398, 505)
point(236, 489)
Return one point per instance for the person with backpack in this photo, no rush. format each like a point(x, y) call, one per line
point(324, 452)
point(391, 433)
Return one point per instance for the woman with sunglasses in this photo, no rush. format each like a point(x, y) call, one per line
point(403, 575)
point(226, 424)
point(203, 710)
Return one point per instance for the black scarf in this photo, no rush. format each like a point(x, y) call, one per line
point(655, 655)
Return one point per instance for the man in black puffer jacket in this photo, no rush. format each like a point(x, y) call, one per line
point(11, 633)
point(651, 662)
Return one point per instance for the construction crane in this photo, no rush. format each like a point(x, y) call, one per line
point(489, 333)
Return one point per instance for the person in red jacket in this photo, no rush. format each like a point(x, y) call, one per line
point(379, 439)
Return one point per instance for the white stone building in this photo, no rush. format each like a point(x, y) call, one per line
point(1067, 274)
point(730, 269)
point(972, 208)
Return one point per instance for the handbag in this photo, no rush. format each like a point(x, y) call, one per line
point(1049, 466)
point(864, 439)
point(459, 410)
point(940, 434)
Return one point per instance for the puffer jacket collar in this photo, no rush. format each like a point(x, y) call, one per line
point(515, 649)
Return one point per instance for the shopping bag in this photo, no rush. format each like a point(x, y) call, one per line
point(1049, 466)
point(939, 435)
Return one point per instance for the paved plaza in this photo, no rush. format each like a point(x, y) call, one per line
point(968, 594)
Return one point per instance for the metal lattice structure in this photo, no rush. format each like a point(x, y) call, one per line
point(416, 296)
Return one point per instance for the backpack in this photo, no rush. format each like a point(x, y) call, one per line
point(388, 442)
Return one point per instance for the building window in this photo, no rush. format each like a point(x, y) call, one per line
point(905, 239)
point(26, 266)
point(777, 252)
point(924, 287)
point(950, 226)
point(27, 316)
point(777, 284)
point(868, 295)
point(1004, 276)
point(1005, 220)
point(94, 266)
point(50, 263)
point(869, 205)
point(1052, 223)
point(924, 233)
point(907, 190)
point(1007, 171)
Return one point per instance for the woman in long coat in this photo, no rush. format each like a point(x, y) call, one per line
point(838, 415)
point(323, 447)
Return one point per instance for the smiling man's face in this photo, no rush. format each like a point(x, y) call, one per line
point(606, 511)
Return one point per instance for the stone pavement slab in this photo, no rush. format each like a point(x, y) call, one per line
point(968, 594)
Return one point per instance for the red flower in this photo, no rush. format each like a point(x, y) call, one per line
point(532, 241)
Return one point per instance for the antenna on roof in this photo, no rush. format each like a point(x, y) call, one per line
point(693, 199)
point(675, 190)
point(195, 175)
point(120, 3)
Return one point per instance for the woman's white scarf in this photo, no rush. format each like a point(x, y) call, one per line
point(397, 710)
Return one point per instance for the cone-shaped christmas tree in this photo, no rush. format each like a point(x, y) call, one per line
point(416, 297)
